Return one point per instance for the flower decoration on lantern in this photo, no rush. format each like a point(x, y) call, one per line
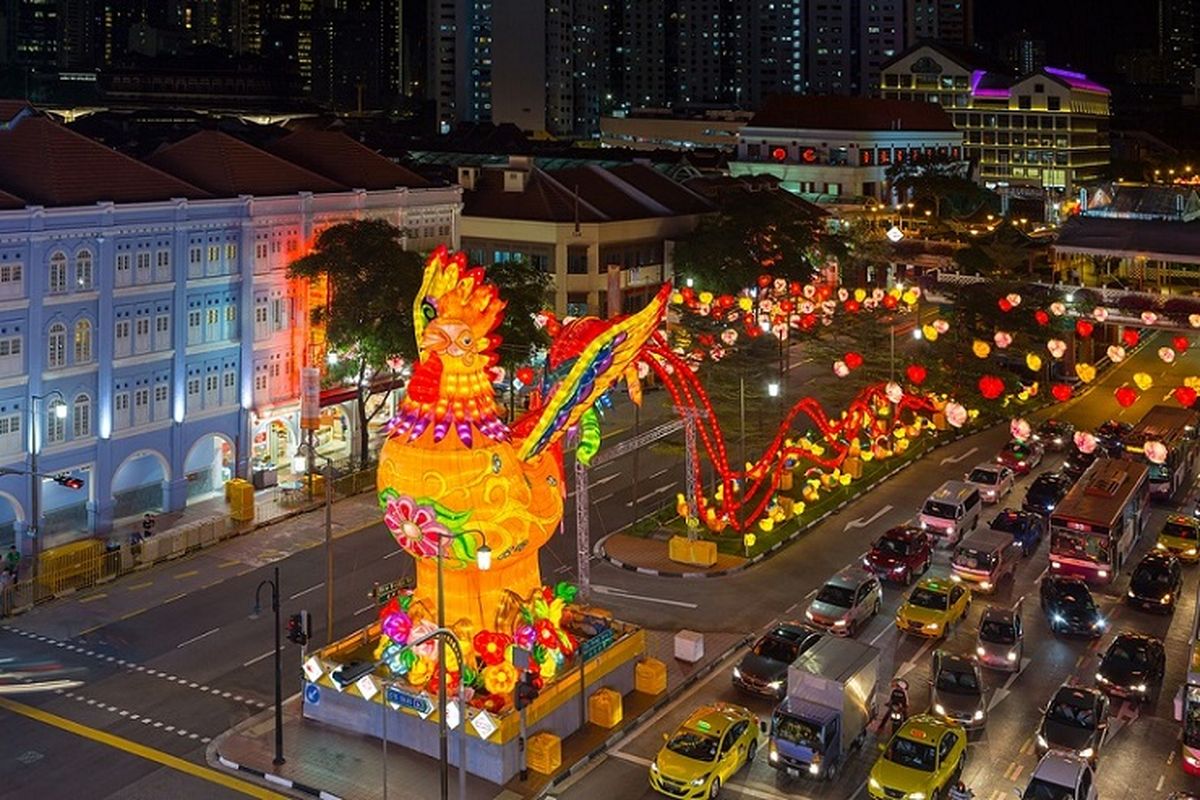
point(1057, 347)
point(1116, 353)
point(1020, 429)
point(1130, 337)
point(1166, 354)
point(1085, 442)
point(956, 414)
point(415, 527)
point(1155, 452)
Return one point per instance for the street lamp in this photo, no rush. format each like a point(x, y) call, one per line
point(35, 495)
point(306, 448)
point(773, 389)
point(274, 584)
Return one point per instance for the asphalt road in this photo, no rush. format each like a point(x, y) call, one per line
point(1139, 761)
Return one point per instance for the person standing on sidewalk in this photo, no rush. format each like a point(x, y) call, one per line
point(148, 523)
point(12, 562)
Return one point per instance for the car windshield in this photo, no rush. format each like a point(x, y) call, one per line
point(894, 546)
point(1016, 449)
point(775, 649)
point(694, 745)
point(1077, 598)
point(998, 632)
point(1127, 653)
point(915, 755)
point(985, 476)
point(1069, 713)
point(1179, 531)
point(972, 558)
point(1008, 523)
point(796, 731)
point(940, 510)
point(958, 682)
point(1191, 717)
point(1080, 545)
point(1038, 789)
point(1051, 427)
point(835, 595)
point(1154, 579)
point(927, 599)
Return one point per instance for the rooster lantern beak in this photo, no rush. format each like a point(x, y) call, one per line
point(450, 338)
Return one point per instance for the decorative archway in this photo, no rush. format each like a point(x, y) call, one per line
point(137, 484)
point(12, 519)
point(209, 463)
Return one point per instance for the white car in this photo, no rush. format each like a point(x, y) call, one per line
point(1060, 775)
point(994, 481)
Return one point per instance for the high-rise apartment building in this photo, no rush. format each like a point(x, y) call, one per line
point(1177, 41)
point(847, 43)
point(1024, 52)
point(949, 21)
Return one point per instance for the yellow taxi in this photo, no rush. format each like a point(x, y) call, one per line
point(1180, 536)
point(932, 606)
point(705, 752)
point(920, 762)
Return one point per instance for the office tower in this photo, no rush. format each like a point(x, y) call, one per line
point(1177, 42)
point(949, 21)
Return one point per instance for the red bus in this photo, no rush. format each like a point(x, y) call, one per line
point(1094, 528)
point(1175, 429)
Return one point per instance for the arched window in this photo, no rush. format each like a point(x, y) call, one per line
point(83, 341)
point(82, 416)
point(56, 283)
point(56, 346)
point(83, 270)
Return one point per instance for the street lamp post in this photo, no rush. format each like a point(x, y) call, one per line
point(274, 584)
point(35, 495)
point(312, 453)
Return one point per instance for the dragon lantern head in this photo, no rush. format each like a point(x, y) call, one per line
point(456, 314)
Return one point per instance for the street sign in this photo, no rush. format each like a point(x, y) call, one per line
point(398, 698)
point(483, 724)
point(386, 591)
point(312, 694)
point(313, 670)
point(366, 687)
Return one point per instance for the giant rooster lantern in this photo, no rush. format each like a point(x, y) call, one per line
point(453, 476)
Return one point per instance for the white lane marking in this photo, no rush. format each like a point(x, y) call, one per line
point(613, 591)
point(394, 553)
point(257, 659)
point(911, 664)
point(887, 627)
point(365, 608)
point(656, 492)
point(663, 471)
point(303, 592)
point(632, 759)
point(604, 480)
point(861, 523)
point(196, 638)
point(959, 459)
point(599, 500)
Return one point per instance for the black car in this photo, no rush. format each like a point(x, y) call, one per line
point(1111, 436)
point(763, 671)
point(1070, 608)
point(1156, 583)
point(1055, 434)
point(1075, 721)
point(1027, 529)
point(1133, 666)
point(1077, 462)
point(1046, 492)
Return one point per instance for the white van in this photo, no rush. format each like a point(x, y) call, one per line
point(950, 512)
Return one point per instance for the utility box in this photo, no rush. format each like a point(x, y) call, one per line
point(241, 500)
point(650, 676)
point(697, 552)
point(689, 646)
point(544, 752)
point(604, 708)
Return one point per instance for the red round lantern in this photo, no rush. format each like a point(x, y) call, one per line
point(779, 154)
point(916, 374)
point(525, 375)
point(1062, 392)
point(991, 387)
point(1130, 337)
point(1005, 304)
point(889, 302)
point(1180, 343)
point(764, 281)
point(1084, 328)
point(852, 306)
point(1186, 396)
point(853, 360)
point(1126, 396)
point(1041, 317)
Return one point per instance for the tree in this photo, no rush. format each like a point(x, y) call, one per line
point(943, 181)
point(524, 290)
point(369, 319)
point(727, 252)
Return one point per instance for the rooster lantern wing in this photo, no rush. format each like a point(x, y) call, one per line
point(452, 475)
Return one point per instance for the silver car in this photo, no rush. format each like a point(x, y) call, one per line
point(957, 694)
point(994, 481)
point(1000, 643)
point(846, 602)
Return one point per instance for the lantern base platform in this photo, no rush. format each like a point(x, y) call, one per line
point(560, 709)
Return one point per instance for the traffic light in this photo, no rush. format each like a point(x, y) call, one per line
point(300, 628)
point(63, 479)
point(528, 689)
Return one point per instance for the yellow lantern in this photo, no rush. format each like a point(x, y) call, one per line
point(745, 303)
point(706, 297)
point(1086, 372)
point(929, 332)
point(1143, 380)
point(981, 349)
point(748, 539)
point(1033, 361)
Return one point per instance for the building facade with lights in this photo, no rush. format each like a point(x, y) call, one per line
point(1041, 135)
point(839, 149)
point(150, 302)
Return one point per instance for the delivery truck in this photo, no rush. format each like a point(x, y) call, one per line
point(829, 705)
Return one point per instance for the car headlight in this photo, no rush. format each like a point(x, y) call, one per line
point(916, 796)
point(931, 626)
point(979, 715)
point(939, 709)
point(1058, 440)
point(923, 525)
point(1166, 598)
point(653, 767)
point(814, 768)
point(1159, 546)
point(898, 568)
point(1100, 678)
point(737, 673)
point(1020, 463)
point(1140, 688)
point(1057, 619)
point(1131, 594)
point(1041, 740)
point(874, 784)
point(841, 623)
point(773, 755)
point(775, 685)
point(1087, 752)
point(1012, 655)
point(1099, 624)
point(956, 578)
point(1102, 573)
point(699, 781)
point(985, 585)
point(979, 651)
point(808, 615)
point(1191, 551)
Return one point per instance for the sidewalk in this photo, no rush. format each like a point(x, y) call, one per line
point(642, 554)
point(130, 594)
point(328, 763)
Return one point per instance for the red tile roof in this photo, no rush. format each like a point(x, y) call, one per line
point(544, 199)
point(662, 188)
point(613, 198)
point(48, 164)
point(827, 112)
point(10, 108)
point(340, 158)
point(228, 167)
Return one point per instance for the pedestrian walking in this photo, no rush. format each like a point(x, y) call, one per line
point(12, 561)
point(959, 791)
point(148, 523)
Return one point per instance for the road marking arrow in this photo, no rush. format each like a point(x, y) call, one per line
point(959, 459)
point(861, 523)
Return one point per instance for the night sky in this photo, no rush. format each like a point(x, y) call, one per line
point(1086, 34)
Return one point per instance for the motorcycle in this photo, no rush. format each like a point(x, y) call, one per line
point(898, 705)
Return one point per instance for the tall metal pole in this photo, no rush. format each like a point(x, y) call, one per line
point(583, 545)
point(637, 420)
point(35, 488)
point(387, 685)
point(892, 362)
point(278, 673)
point(443, 752)
point(329, 550)
point(742, 414)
